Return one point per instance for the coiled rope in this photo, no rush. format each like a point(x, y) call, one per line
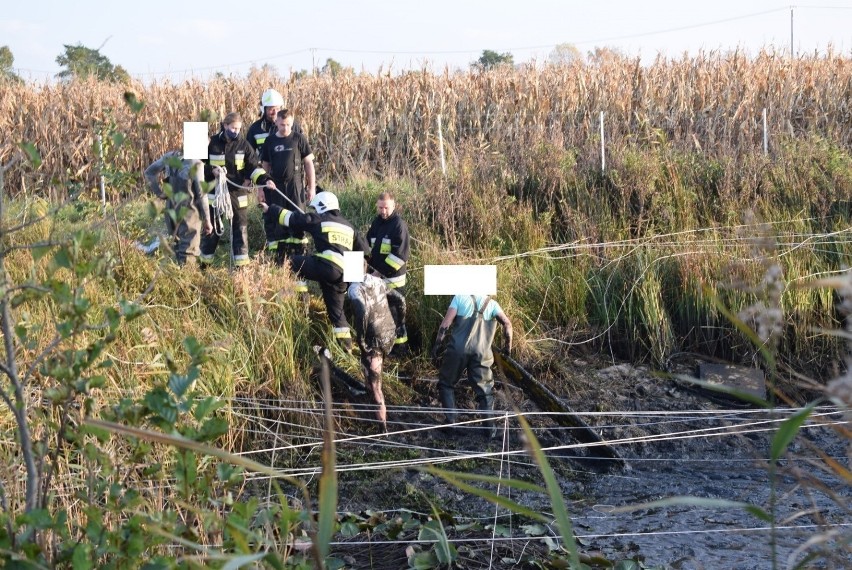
point(222, 206)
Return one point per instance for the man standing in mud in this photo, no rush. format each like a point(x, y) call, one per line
point(186, 181)
point(373, 304)
point(474, 320)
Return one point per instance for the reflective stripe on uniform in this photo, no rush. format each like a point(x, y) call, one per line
point(241, 260)
point(401, 340)
point(394, 261)
point(386, 246)
point(284, 217)
point(260, 138)
point(242, 201)
point(339, 234)
point(394, 282)
point(342, 332)
point(257, 173)
point(240, 160)
point(271, 245)
point(205, 258)
point(301, 287)
point(217, 159)
point(332, 256)
point(295, 240)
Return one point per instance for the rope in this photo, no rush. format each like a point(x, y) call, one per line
point(222, 203)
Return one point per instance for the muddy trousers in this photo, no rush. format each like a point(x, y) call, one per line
point(479, 376)
point(398, 313)
point(371, 366)
point(330, 279)
point(186, 235)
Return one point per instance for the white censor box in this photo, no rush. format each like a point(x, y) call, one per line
point(459, 279)
point(195, 140)
point(353, 266)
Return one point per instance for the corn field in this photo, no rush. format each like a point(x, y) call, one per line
point(388, 125)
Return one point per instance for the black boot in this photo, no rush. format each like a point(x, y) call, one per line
point(448, 402)
point(485, 403)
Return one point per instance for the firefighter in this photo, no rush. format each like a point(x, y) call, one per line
point(333, 235)
point(473, 319)
point(388, 239)
point(285, 156)
point(229, 150)
point(372, 306)
point(186, 178)
point(271, 102)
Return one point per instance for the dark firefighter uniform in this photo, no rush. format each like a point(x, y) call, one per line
point(333, 235)
point(240, 160)
point(389, 250)
point(258, 131)
point(284, 155)
point(261, 128)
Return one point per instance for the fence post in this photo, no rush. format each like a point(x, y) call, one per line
point(765, 134)
point(603, 146)
point(441, 147)
point(101, 168)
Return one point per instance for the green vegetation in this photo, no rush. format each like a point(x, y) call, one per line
point(664, 252)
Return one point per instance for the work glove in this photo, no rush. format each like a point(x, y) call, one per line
point(436, 355)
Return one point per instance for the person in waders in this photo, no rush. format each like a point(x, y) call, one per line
point(185, 194)
point(474, 324)
point(373, 306)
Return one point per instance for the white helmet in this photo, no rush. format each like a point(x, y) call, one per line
point(324, 201)
point(271, 98)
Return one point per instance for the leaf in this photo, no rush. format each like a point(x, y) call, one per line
point(237, 562)
point(186, 472)
point(560, 511)
point(133, 102)
point(39, 251)
point(349, 529)
point(499, 500)
point(423, 560)
point(207, 406)
point(212, 428)
point(32, 153)
point(534, 529)
point(787, 431)
point(180, 383)
point(81, 559)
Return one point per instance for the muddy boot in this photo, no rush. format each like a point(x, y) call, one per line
point(448, 402)
point(489, 426)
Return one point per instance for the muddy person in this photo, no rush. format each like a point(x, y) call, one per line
point(186, 179)
point(473, 319)
point(373, 306)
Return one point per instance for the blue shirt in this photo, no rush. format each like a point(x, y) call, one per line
point(463, 304)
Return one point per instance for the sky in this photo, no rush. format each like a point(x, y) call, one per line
point(174, 39)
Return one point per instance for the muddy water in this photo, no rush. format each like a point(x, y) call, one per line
point(728, 468)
